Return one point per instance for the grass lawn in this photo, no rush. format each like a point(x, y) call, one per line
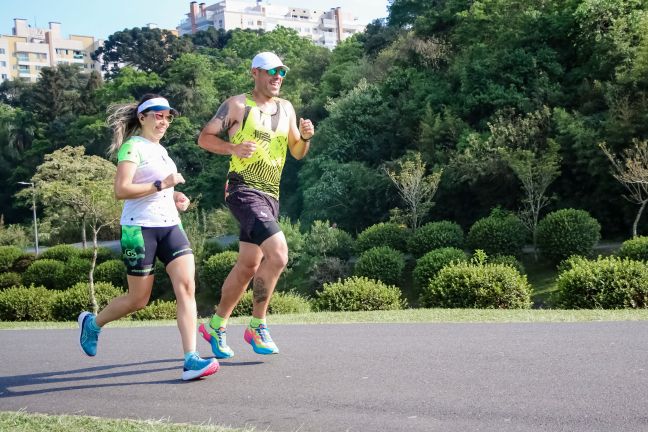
point(28, 422)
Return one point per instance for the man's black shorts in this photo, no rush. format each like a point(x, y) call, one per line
point(256, 212)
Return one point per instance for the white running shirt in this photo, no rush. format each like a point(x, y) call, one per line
point(153, 163)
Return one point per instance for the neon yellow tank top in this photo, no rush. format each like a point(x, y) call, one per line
point(262, 170)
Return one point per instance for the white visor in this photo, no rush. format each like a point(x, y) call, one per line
point(155, 104)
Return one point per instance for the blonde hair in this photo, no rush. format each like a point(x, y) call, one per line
point(123, 121)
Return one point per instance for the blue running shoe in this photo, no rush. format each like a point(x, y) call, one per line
point(218, 341)
point(88, 337)
point(196, 367)
point(260, 340)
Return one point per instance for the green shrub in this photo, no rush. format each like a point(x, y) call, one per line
point(435, 235)
point(45, 272)
point(383, 234)
point(234, 246)
point(634, 249)
point(212, 247)
point(295, 240)
point(9, 279)
point(157, 310)
point(8, 256)
point(61, 252)
point(324, 240)
point(23, 262)
point(70, 303)
point(103, 254)
point(20, 303)
point(281, 303)
point(567, 232)
point(358, 294)
point(215, 270)
point(508, 260)
point(381, 263)
point(15, 235)
point(76, 270)
point(325, 270)
point(501, 233)
point(606, 283)
point(477, 285)
point(112, 271)
point(429, 264)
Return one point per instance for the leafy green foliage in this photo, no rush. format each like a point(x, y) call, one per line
point(429, 264)
point(111, 271)
point(26, 304)
point(70, 303)
point(46, 272)
point(567, 232)
point(435, 235)
point(383, 234)
point(381, 263)
point(326, 270)
point(103, 254)
point(634, 249)
point(606, 283)
point(215, 270)
point(61, 253)
point(281, 303)
point(500, 233)
point(9, 279)
point(8, 256)
point(325, 240)
point(157, 310)
point(358, 294)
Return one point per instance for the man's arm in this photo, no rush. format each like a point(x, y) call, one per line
point(211, 135)
point(299, 136)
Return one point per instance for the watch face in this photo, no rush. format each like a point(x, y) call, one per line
point(158, 185)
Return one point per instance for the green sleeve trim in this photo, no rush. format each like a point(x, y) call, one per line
point(129, 152)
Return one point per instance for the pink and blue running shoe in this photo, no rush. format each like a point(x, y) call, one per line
point(196, 367)
point(260, 340)
point(88, 336)
point(217, 338)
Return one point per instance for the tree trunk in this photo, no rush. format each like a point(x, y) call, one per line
point(83, 234)
point(636, 221)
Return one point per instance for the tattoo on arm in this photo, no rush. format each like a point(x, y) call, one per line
point(259, 291)
point(226, 122)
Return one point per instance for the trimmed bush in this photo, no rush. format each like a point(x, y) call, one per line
point(23, 262)
point(103, 254)
point(381, 263)
point(76, 270)
point(281, 303)
point(429, 264)
point(501, 233)
point(567, 232)
point(634, 249)
point(8, 256)
point(323, 240)
point(435, 235)
point(9, 279)
point(26, 304)
point(61, 252)
point(508, 260)
point(477, 285)
point(157, 310)
point(112, 271)
point(383, 234)
point(216, 269)
point(211, 247)
point(606, 283)
point(45, 272)
point(70, 303)
point(359, 294)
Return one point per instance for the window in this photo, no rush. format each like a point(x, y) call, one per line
point(3, 64)
point(259, 23)
point(22, 56)
point(4, 76)
point(250, 22)
point(2, 51)
point(23, 69)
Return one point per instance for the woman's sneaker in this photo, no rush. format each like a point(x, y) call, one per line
point(260, 340)
point(197, 367)
point(218, 341)
point(88, 336)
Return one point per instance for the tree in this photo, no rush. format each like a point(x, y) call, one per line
point(632, 173)
point(82, 184)
point(414, 187)
point(147, 49)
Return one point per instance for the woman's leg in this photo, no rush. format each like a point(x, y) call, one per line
point(139, 292)
point(182, 272)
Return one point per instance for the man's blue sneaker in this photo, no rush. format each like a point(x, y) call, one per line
point(197, 367)
point(88, 336)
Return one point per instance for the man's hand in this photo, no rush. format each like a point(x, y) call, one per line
point(306, 129)
point(181, 201)
point(245, 149)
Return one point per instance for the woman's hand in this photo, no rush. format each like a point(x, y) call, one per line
point(181, 201)
point(172, 180)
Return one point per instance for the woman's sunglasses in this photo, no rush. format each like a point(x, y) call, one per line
point(275, 71)
point(159, 117)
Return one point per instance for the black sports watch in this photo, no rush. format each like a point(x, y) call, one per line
point(158, 185)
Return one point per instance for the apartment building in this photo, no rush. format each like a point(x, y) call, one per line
point(325, 28)
point(24, 53)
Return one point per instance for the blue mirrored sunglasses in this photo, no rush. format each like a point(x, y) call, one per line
point(275, 71)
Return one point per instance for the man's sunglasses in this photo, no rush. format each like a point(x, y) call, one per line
point(159, 117)
point(275, 71)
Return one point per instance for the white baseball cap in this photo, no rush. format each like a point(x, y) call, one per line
point(267, 60)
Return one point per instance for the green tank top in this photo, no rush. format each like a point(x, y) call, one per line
point(262, 170)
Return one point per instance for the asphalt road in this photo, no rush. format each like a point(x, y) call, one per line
point(381, 377)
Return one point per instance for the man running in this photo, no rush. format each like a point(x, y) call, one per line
point(255, 129)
